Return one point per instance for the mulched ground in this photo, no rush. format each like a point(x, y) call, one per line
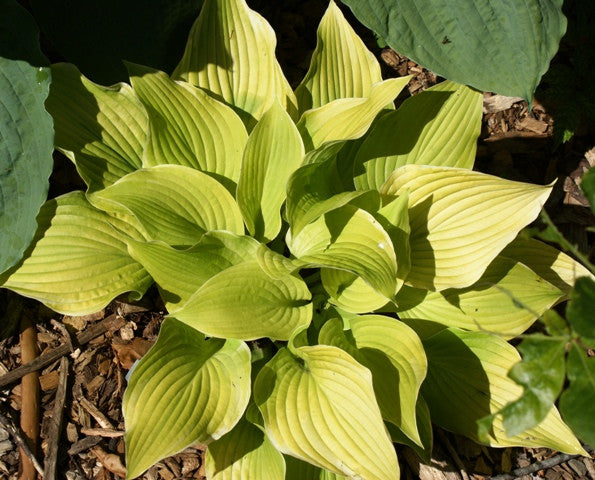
point(90, 356)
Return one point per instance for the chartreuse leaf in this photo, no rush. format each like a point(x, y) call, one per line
point(102, 130)
point(274, 151)
point(395, 356)
point(468, 380)
point(189, 127)
point(349, 238)
point(341, 66)
point(245, 302)
point(26, 133)
point(186, 390)
point(438, 127)
point(175, 204)
point(541, 373)
point(245, 452)
point(313, 190)
point(460, 220)
point(78, 261)
point(495, 46)
point(231, 53)
point(506, 300)
point(549, 263)
point(347, 118)
point(318, 405)
point(424, 427)
point(300, 470)
point(179, 273)
point(579, 311)
point(577, 402)
point(350, 292)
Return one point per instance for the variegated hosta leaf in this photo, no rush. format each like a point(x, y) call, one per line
point(313, 190)
point(341, 65)
point(395, 356)
point(186, 390)
point(318, 405)
point(179, 273)
point(460, 220)
point(549, 263)
point(348, 118)
point(101, 129)
point(506, 300)
point(468, 380)
point(174, 204)
point(350, 239)
point(231, 53)
point(274, 151)
point(350, 292)
point(189, 127)
point(244, 453)
point(300, 470)
point(438, 127)
point(245, 302)
point(78, 261)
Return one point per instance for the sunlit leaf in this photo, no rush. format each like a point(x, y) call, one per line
point(186, 390)
point(350, 239)
point(103, 130)
point(507, 299)
point(274, 151)
point(468, 380)
point(245, 452)
point(460, 220)
point(318, 405)
point(577, 402)
point(395, 356)
point(341, 66)
point(438, 127)
point(175, 204)
point(350, 292)
point(78, 261)
point(424, 427)
point(189, 127)
point(347, 118)
point(245, 302)
point(231, 53)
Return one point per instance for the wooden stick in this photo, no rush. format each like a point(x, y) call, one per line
point(30, 398)
point(19, 439)
point(111, 323)
point(535, 467)
point(55, 427)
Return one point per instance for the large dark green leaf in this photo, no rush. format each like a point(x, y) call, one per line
point(580, 310)
point(502, 46)
point(96, 36)
point(26, 132)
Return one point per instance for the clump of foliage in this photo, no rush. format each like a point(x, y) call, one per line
point(337, 276)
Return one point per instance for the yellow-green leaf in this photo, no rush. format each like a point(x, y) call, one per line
point(350, 292)
point(78, 261)
point(231, 53)
point(103, 130)
point(318, 405)
point(189, 127)
point(460, 220)
point(341, 66)
point(186, 390)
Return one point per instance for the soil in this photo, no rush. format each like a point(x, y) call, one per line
point(98, 350)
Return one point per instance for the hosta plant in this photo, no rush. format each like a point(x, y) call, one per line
point(336, 275)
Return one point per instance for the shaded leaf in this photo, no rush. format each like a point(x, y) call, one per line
point(78, 261)
point(101, 129)
point(186, 390)
point(495, 46)
point(300, 470)
point(588, 186)
point(579, 310)
point(460, 220)
point(438, 127)
point(318, 405)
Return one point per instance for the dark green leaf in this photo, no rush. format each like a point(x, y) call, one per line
point(588, 186)
point(541, 373)
point(26, 133)
point(577, 403)
point(581, 310)
point(504, 47)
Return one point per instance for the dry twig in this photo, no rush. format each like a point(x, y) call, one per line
point(19, 439)
point(56, 422)
point(535, 467)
